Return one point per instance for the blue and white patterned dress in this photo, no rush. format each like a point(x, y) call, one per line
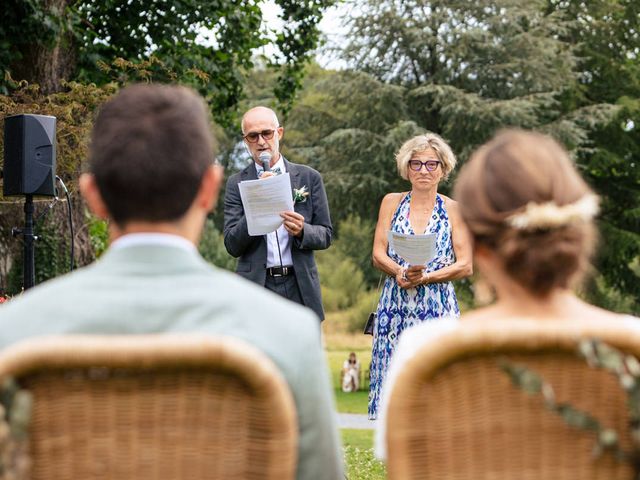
point(398, 308)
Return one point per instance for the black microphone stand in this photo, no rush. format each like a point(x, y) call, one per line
point(29, 265)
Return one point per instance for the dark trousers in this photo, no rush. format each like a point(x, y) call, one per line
point(286, 287)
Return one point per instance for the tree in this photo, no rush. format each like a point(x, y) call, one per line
point(52, 41)
point(466, 69)
point(607, 36)
point(348, 126)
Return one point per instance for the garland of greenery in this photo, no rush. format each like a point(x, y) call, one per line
point(597, 355)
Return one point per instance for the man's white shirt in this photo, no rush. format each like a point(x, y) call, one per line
point(283, 237)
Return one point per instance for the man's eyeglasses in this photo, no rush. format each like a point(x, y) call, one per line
point(416, 165)
point(252, 137)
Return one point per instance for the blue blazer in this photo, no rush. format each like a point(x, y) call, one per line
point(252, 251)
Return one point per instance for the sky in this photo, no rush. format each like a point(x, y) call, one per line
point(330, 26)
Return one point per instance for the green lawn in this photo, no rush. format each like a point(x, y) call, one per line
point(355, 402)
point(360, 463)
point(358, 456)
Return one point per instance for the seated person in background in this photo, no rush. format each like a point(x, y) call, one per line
point(152, 176)
point(530, 215)
point(351, 374)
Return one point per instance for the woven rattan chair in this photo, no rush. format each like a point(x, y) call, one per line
point(454, 414)
point(154, 407)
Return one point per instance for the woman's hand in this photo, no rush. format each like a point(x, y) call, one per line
point(407, 278)
point(415, 274)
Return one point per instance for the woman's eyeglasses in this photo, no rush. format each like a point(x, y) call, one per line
point(252, 137)
point(416, 165)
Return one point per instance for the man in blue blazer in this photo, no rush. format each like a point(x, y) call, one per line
point(151, 174)
point(282, 261)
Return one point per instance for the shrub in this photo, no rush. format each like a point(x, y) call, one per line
point(342, 281)
point(212, 248)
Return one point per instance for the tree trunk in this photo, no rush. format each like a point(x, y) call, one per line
point(48, 65)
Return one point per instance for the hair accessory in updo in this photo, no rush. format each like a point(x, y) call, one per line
point(545, 216)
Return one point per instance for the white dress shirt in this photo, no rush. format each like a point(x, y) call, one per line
point(283, 237)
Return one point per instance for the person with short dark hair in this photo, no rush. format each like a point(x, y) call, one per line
point(282, 261)
point(152, 175)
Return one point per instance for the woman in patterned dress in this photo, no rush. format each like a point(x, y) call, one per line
point(417, 293)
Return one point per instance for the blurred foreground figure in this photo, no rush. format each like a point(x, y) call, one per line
point(152, 176)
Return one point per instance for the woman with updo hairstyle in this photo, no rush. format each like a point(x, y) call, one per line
point(414, 294)
point(531, 219)
point(530, 211)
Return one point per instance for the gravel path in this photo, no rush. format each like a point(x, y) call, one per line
point(354, 420)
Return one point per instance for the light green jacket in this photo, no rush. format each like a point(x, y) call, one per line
point(157, 288)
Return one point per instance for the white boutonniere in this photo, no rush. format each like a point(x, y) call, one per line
point(300, 194)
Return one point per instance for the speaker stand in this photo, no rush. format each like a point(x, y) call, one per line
point(28, 268)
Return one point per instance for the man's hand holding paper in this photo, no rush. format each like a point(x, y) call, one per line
point(264, 200)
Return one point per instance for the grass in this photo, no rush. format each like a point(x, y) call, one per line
point(358, 454)
point(360, 462)
point(355, 402)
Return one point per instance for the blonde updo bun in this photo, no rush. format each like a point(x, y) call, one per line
point(529, 177)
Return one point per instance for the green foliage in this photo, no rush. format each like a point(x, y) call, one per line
point(349, 126)
point(347, 277)
point(362, 464)
point(296, 43)
point(358, 454)
point(22, 21)
point(74, 110)
point(598, 355)
point(212, 248)
point(357, 315)
point(51, 254)
point(212, 41)
point(497, 48)
point(340, 278)
point(465, 70)
point(599, 292)
point(464, 294)
point(98, 234)
point(171, 32)
point(605, 33)
point(355, 242)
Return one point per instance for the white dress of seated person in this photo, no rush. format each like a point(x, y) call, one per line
point(420, 336)
point(351, 376)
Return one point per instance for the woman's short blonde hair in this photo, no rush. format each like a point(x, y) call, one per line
point(422, 143)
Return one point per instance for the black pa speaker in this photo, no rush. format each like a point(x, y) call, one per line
point(29, 155)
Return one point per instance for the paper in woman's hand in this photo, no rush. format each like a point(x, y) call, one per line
point(263, 200)
point(414, 249)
